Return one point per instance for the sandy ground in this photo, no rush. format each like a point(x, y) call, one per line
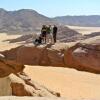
point(29, 98)
point(70, 83)
point(6, 45)
point(85, 30)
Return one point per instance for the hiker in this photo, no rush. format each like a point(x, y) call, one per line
point(43, 32)
point(38, 40)
point(54, 33)
point(49, 35)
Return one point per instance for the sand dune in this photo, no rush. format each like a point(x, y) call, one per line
point(85, 30)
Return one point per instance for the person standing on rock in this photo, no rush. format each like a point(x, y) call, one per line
point(55, 33)
point(43, 32)
point(49, 35)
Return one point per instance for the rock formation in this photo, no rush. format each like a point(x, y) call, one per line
point(7, 67)
point(83, 56)
point(47, 55)
point(18, 83)
point(66, 34)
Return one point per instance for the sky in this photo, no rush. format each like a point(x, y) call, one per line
point(52, 8)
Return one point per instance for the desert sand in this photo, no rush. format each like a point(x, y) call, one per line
point(85, 30)
point(28, 98)
point(71, 83)
point(5, 45)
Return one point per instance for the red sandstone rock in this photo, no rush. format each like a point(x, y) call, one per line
point(19, 82)
point(83, 56)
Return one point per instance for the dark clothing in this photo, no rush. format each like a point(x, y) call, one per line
point(38, 41)
point(54, 30)
point(43, 32)
point(54, 33)
point(54, 38)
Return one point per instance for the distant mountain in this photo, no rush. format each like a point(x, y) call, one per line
point(30, 21)
point(93, 20)
point(22, 21)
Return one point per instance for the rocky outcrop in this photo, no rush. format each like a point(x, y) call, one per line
point(66, 34)
point(18, 83)
point(7, 67)
point(83, 56)
point(47, 55)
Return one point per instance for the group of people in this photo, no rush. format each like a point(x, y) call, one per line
point(48, 34)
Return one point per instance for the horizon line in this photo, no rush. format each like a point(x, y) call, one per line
point(77, 15)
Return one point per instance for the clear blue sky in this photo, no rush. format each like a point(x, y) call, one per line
point(52, 8)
